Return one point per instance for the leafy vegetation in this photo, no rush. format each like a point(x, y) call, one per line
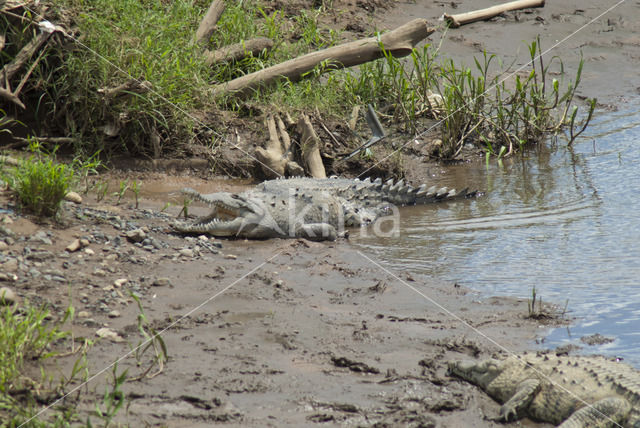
point(40, 183)
point(152, 43)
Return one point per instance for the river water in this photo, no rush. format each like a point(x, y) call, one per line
point(565, 221)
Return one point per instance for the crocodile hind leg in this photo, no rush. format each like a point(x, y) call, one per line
point(526, 390)
point(608, 412)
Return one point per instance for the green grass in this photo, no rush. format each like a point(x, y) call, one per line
point(27, 340)
point(40, 183)
point(154, 41)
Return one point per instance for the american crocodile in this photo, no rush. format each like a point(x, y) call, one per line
point(569, 391)
point(316, 209)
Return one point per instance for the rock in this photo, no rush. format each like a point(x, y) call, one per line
point(99, 272)
point(73, 197)
point(5, 231)
point(41, 236)
point(114, 314)
point(10, 265)
point(74, 246)
point(107, 333)
point(136, 235)
point(120, 282)
point(231, 256)
point(3, 246)
point(8, 277)
point(161, 282)
point(83, 314)
point(89, 251)
point(186, 252)
point(7, 296)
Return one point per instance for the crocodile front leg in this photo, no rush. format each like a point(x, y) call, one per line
point(526, 390)
point(608, 412)
point(317, 232)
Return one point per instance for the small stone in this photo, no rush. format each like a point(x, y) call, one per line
point(186, 252)
point(114, 314)
point(136, 235)
point(99, 272)
point(203, 238)
point(74, 246)
point(120, 282)
point(73, 197)
point(231, 256)
point(161, 282)
point(7, 296)
point(83, 314)
point(41, 236)
point(84, 242)
point(6, 220)
point(10, 265)
point(107, 333)
point(89, 251)
point(3, 246)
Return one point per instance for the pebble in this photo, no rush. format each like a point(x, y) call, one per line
point(84, 314)
point(7, 296)
point(10, 265)
point(114, 314)
point(186, 252)
point(89, 251)
point(3, 246)
point(136, 235)
point(8, 277)
point(161, 282)
point(73, 197)
point(107, 333)
point(77, 244)
point(231, 256)
point(41, 236)
point(120, 282)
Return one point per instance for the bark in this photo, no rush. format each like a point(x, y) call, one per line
point(399, 43)
point(482, 14)
point(238, 51)
point(271, 157)
point(10, 96)
point(10, 69)
point(311, 148)
point(208, 24)
point(130, 86)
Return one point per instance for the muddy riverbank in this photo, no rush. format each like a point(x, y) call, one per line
point(260, 332)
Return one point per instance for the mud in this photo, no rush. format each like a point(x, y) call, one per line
point(258, 333)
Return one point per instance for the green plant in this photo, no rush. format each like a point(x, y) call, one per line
point(113, 398)
point(102, 188)
point(152, 340)
point(87, 167)
point(28, 339)
point(124, 186)
point(135, 187)
point(40, 183)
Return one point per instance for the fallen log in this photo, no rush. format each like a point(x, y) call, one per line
point(483, 14)
point(310, 145)
point(238, 51)
point(399, 43)
point(23, 56)
point(208, 24)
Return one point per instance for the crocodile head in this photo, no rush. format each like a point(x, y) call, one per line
point(479, 373)
point(232, 214)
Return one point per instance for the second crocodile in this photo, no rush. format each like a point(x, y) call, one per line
point(568, 391)
point(315, 209)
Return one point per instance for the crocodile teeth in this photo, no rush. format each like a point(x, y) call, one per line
point(367, 180)
point(396, 186)
point(442, 191)
point(431, 190)
point(378, 181)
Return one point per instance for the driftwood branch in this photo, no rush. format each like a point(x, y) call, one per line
point(483, 14)
point(238, 51)
point(10, 96)
point(130, 86)
point(10, 69)
point(399, 43)
point(311, 148)
point(208, 24)
point(275, 158)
